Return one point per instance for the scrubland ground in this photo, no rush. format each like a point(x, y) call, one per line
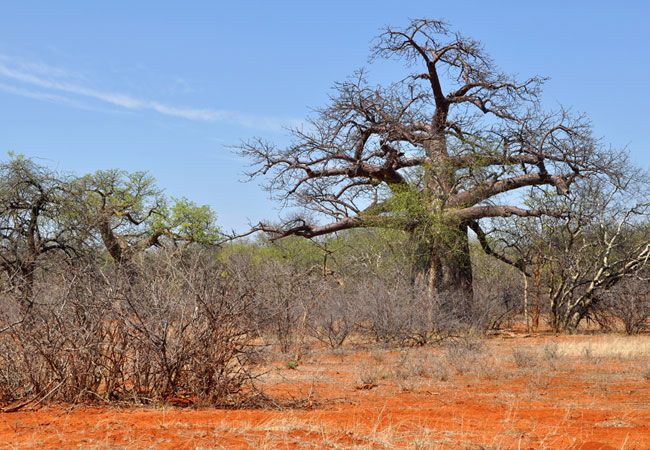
point(500, 392)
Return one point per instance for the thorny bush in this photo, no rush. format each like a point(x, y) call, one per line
point(178, 327)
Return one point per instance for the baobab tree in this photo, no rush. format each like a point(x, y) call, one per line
point(433, 154)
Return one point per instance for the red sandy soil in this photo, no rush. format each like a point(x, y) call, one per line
point(587, 399)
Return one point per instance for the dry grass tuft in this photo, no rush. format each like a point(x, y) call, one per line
point(608, 346)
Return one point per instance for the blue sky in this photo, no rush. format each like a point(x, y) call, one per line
point(166, 87)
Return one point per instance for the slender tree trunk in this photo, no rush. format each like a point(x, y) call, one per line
point(526, 311)
point(575, 314)
point(537, 278)
point(574, 320)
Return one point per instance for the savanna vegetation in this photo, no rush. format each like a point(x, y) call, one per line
point(447, 204)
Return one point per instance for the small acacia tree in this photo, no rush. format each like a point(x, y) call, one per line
point(430, 154)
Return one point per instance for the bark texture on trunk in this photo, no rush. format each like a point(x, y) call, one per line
point(445, 264)
point(451, 265)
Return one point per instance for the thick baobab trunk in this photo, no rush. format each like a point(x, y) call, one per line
point(444, 263)
point(451, 265)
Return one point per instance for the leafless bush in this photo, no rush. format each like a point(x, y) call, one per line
point(491, 306)
point(589, 355)
point(179, 329)
point(629, 301)
point(283, 296)
point(409, 366)
point(494, 304)
point(334, 314)
point(498, 293)
point(369, 377)
point(293, 302)
point(58, 344)
point(415, 364)
point(190, 318)
point(397, 313)
point(440, 370)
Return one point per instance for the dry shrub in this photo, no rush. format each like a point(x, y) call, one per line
point(498, 292)
point(283, 294)
point(629, 302)
point(414, 366)
point(495, 304)
point(524, 358)
point(369, 376)
point(294, 303)
point(408, 366)
point(397, 312)
point(440, 371)
point(589, 355)
point(552, 355)
point(465, 355)
point(333, 316)
point(178, 328)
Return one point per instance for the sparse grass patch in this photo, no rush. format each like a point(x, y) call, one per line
point(369, 378)
point(540, 380)
point(646, 372)
point(440, 371)
point(464, 355)
point(551, 353)
point(525, 358)
point(378, 356)
point(608, 346)
point(589, 355)
point(411, 365)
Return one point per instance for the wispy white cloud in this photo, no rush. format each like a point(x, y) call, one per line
point(59, 80)
point(37, 95)
point(37, 68)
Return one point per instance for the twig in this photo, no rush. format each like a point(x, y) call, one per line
point(22, 405)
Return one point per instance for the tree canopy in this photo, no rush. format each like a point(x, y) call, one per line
point(433, 153)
